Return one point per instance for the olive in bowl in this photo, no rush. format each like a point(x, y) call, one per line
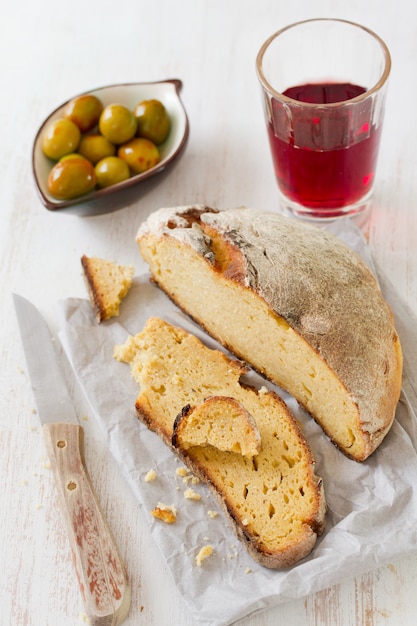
point(152, 120)
point(84, 111)
point(110, 171)
point(71, 177)
point(61, 137)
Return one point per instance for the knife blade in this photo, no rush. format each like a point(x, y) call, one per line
point(100, 571)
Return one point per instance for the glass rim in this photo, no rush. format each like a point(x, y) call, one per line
point(280, 96)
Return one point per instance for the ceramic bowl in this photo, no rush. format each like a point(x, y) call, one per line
point(129, 95)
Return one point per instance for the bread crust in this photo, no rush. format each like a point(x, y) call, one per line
point(94, 293)
point(310, 279)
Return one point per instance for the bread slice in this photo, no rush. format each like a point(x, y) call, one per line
point(107, 284)
point(293, 301)
point(218, 421)
point(274, 500)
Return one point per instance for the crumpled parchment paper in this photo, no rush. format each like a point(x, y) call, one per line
point(372, 507)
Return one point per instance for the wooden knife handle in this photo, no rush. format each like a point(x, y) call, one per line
point(100, 571)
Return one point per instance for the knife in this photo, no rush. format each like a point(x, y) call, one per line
point(100, 571)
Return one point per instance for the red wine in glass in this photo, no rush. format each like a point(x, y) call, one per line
point(324, 162)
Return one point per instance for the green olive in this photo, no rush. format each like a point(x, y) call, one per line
point(60, 138)
point(71, 178)
point(96, 147)
point(153, 121)
point(72, 155)
point(117, 123)
point(140, 154)
point(111, 170)
point(84, 111)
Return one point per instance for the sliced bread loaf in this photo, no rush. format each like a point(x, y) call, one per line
point(293, 301)
point(107, 284)
point(274, 500)
point(219, 421)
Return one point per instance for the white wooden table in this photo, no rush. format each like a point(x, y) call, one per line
point(50, 51)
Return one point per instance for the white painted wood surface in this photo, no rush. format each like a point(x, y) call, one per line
point(50, 51)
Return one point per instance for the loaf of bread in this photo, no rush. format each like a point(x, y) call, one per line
point(219, 421)
point(107, 284)
point(291, 300)
point(274, 500)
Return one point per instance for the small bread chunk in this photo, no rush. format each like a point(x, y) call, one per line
point(203, 554)
point(107, 284)
point(274, 501)
point(219, 421)
point(167, 514)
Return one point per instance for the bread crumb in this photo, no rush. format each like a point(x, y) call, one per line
point(85, 418)
point(46, 465)
point(204, 553)
point(263, 389)
point(84, 617)
point(181, 471)
point(190, 494)
point(248, 570)
point(189, 478)
point(167, 514)
point(150, 476)
point(212, 514)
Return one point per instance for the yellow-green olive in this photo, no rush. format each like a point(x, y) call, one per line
point(71, 178)
point(117, 123)
point(140, 154)
point(111, 170)
point(84, 111)
point(60, 138)
point(153, 121)
point(72, 155)
point(96, 147)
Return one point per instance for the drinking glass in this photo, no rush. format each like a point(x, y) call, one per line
point(324, 84)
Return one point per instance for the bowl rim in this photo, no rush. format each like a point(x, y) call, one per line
point(98, 194)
